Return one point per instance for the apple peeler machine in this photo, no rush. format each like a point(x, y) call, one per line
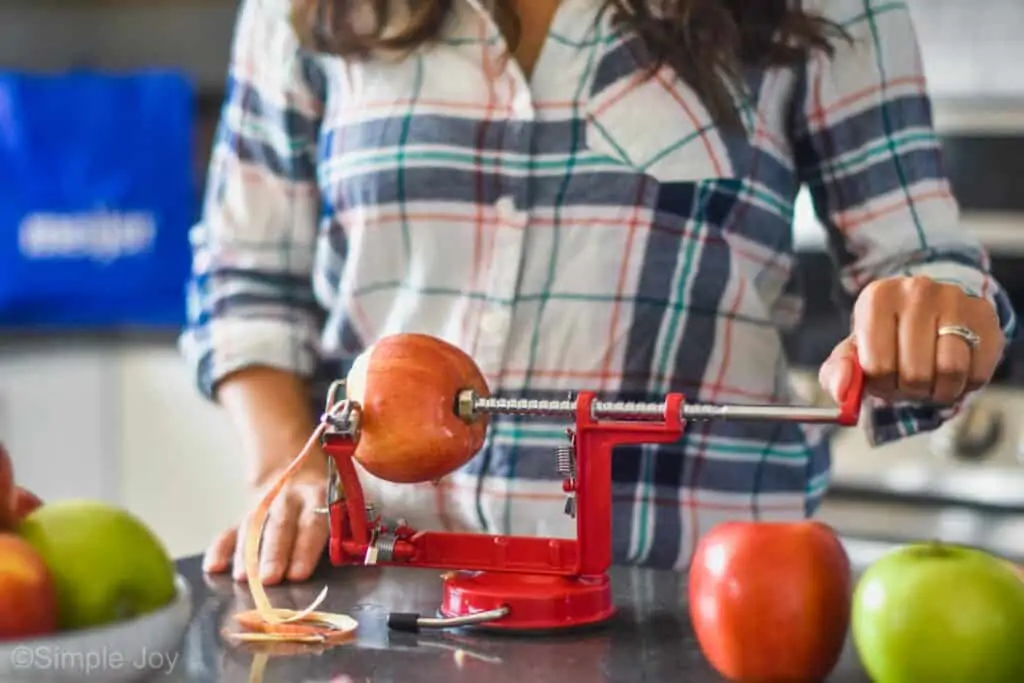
point(520, 583)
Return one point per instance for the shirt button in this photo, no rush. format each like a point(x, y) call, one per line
point(522, 105)
point(508, 213)
point(506, 206)
point(495, 322)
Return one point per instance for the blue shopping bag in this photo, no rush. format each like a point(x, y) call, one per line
point(97, 195)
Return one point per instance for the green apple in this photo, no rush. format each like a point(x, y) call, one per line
point(108, 566)
point(938, 612)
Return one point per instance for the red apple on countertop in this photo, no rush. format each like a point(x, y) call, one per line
point(28, 595)
point(770, 601)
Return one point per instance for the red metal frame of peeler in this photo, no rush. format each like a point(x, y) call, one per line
point(536, 583)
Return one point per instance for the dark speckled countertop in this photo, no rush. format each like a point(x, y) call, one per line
point(650, 640)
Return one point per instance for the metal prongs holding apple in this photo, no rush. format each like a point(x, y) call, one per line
point(940, 612)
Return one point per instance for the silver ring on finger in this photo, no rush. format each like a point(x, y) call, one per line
point(965, 333)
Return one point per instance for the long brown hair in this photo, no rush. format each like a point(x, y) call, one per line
point(708, 43)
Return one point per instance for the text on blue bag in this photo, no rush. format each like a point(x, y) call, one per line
point(97, 196)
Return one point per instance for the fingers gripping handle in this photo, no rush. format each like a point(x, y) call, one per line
point(850, 402)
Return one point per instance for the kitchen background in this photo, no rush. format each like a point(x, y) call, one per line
point(113, 414)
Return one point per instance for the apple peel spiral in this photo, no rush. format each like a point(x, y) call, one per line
point(267, 623)
point(406, 386)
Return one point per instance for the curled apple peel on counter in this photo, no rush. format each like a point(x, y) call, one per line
point(305, 627)
point(267, 623)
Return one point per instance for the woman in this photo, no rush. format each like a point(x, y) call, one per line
point(582, 195)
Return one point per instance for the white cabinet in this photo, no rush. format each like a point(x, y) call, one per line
point(59, 416)
point(180, 468)
point(120, 421)
point(971, 49)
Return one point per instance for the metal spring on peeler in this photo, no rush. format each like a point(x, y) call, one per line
point(695, 412)
point(469, 404)
point(566, 459)
point(628, 409)
point(386, 547)
point(610, 409)
point(522, 406)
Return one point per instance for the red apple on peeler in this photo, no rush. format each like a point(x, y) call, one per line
point(408, 386)
point(770, 601)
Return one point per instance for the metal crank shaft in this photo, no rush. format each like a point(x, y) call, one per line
point(470, 405)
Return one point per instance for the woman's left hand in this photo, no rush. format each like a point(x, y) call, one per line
point(912, 336)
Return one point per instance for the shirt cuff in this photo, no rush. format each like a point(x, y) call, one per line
point(226, 346)
point(888, 422)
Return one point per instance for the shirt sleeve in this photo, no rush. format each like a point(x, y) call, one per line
point(870, 159)
point(250, 295)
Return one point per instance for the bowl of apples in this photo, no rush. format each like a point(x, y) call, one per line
point(87, 592)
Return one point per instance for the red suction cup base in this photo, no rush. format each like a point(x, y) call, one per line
point(535, 602)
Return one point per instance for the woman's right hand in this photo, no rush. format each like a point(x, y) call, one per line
point(294, 537)
point(271, 411)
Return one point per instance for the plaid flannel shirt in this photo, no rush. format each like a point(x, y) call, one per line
point(583, 228)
